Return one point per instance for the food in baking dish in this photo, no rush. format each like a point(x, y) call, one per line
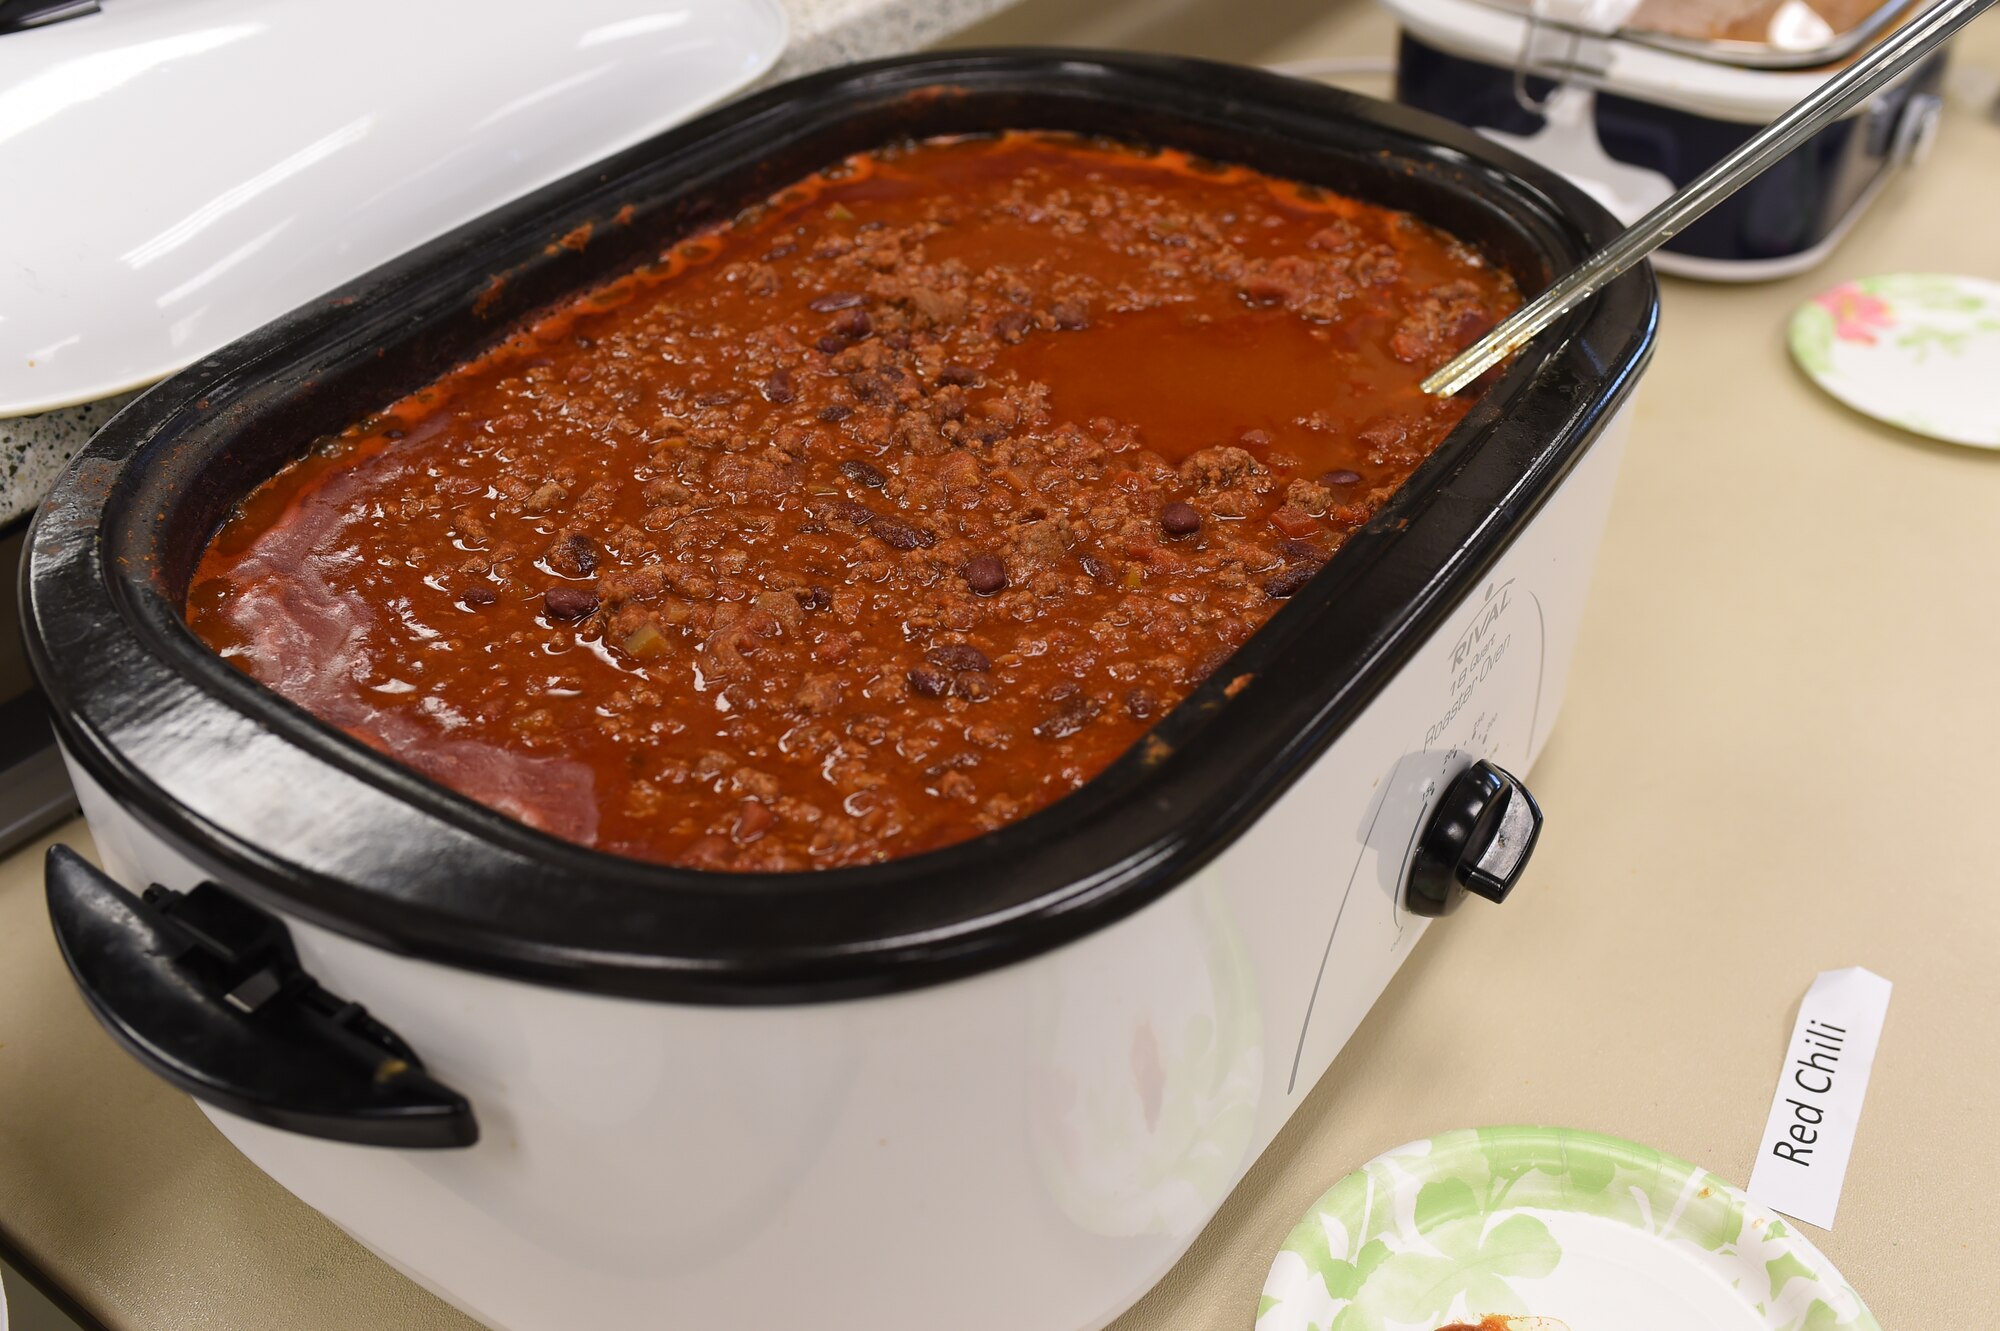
point(888, 513)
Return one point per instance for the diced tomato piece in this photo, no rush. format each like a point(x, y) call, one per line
point(1294, 521)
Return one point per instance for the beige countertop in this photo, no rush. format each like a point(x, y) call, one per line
point(1775, 759)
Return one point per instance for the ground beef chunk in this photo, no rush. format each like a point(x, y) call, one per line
point(1229, 481)
point(1442, 322)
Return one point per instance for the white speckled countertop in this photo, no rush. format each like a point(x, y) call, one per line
point(34, 449)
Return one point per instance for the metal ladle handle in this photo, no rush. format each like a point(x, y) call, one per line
point(1833, 99)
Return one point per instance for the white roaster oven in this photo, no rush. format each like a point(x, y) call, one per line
point(1014, 1118)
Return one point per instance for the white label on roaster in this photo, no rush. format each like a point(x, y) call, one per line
point(1818, 1104)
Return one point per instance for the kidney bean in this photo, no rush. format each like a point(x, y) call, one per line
point(846, 510)
point(1141, 704)
point(1180, 520)
point(958, 656)
point(1341, 477)
point(836, 413)
point(900, 535)
point(930, 683)
point(985, 574)
point(837, 300)
point(1302, 552)
point(1074, 713)
point(958, 376)
point(569, 603)
point(853, 325)
point(863, 473)
point(1289, 580)
point(779, 388)
point(479, 594)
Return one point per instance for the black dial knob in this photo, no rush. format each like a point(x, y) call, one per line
point(1478, 841)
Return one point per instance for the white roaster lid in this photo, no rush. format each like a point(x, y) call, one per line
point(177, 172)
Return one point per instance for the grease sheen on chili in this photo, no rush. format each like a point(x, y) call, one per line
point(890, 512)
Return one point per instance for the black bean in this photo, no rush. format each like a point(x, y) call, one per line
point(779, 388)
point(961, 376)
point(1180, 520)
point(1341, 477)
point(863, 473)
point(900, 535)
point(838, 300)
point(569, 603)
point(985, 574)
point(853, 324)
point(835, 413)
point(1289, 580)
point(930, 683)
point(958, 656)
point(479, 594)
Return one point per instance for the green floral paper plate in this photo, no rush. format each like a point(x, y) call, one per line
point(1604, 1234)
point(1919, 350)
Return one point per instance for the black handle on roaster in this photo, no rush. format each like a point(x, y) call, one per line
point(1478, 841)
point(206, 990)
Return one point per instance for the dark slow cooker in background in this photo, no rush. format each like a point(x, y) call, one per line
point(1795, 205)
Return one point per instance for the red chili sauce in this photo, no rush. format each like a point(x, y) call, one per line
point(888, 513)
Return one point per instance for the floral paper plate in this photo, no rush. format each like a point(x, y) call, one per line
point(1919, 350)
point(1603, 1234)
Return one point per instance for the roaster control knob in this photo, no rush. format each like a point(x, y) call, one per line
point(1478, 841)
